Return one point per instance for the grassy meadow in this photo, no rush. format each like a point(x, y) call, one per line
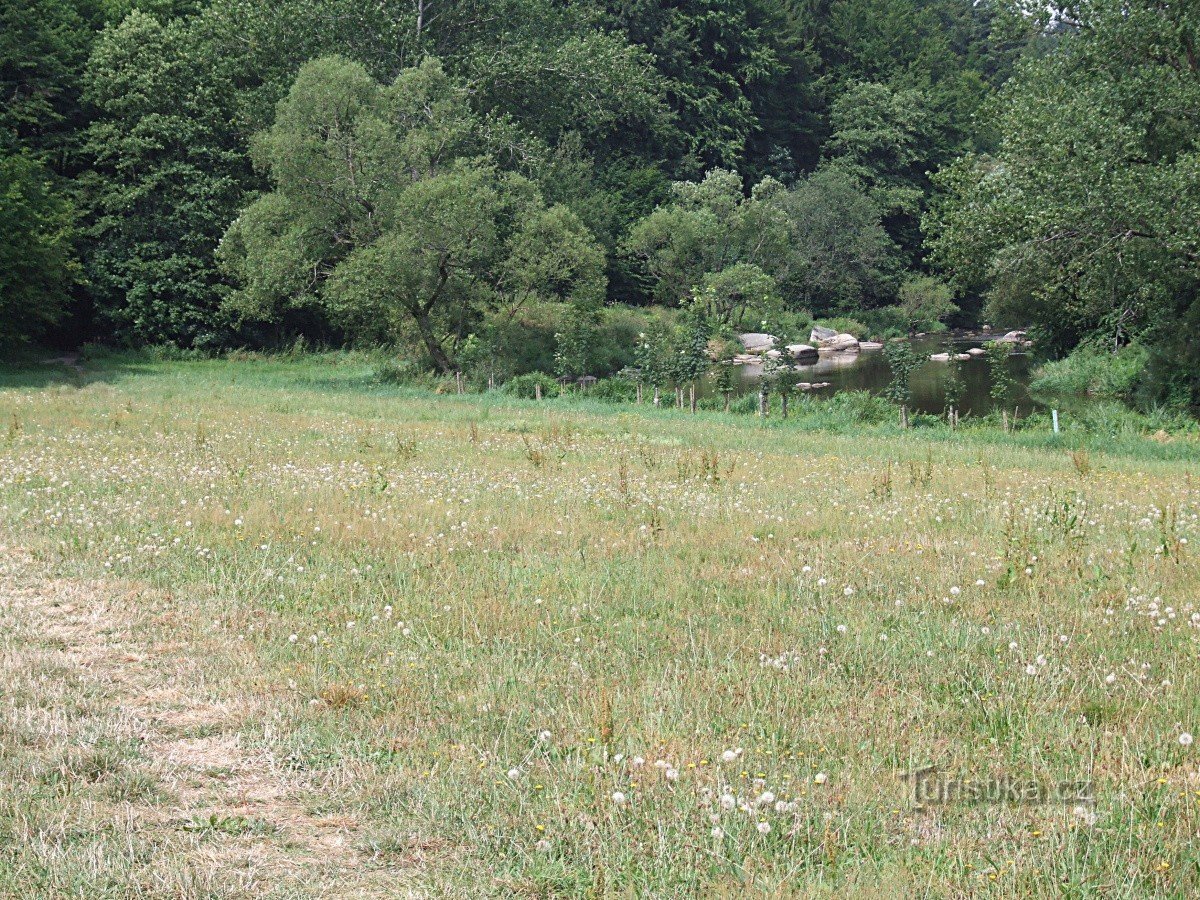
point(270, 629)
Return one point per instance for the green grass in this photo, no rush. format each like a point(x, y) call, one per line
point(462, 574)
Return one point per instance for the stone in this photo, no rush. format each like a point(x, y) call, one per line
point(976, 351)
point(819, 335)
point(1012, 337)
point(940, 357)
point(870, 345)
point(800, 351)
point(755, 342)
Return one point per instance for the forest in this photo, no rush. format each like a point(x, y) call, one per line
point(505, 187)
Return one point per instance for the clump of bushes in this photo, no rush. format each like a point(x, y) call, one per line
point(1095, 372)
point(614, 390)
point(525, 386)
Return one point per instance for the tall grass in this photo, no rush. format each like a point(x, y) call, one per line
point(577, 648)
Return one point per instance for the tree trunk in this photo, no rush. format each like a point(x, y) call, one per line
point(692, 396)
point(783, 404)
point(657, 396)
point(727, 402)
point(441, 359)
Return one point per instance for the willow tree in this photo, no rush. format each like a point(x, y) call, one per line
point(388, 211)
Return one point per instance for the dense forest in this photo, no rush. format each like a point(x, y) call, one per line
point(506, 186)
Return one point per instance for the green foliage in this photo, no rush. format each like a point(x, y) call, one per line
point(924, 301)
point(525, 386)
point(881, 139)
point(708, 227)
point(999, 360)
point(614, 390)
point(654, 357)
point(43, 44)
point(903, 361)
point(37, 263)
point(820, 243)
point(166, 177)
point(954, 386)
point(574, 345)
point(1085, 221)
point(385, 213)
point(839, 258)
point(1093, 371)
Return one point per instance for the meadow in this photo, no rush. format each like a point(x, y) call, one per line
point(269, 628)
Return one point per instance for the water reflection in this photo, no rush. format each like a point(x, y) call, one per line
point(868, 371)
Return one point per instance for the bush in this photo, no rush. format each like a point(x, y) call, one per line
point(885, 322)
point(1094, 372)
point(524, 386)
point(397, 371)
point(614, 390)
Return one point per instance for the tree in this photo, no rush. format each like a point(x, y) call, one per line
point(385, 212)
point(903, 362)
point(708, 227)
point(924, 301)
point(43, 44)
point(37, 263)
point(883, 139)
point(1085, 221)
point(728, 297)
point(167, 177)
point(838, 257)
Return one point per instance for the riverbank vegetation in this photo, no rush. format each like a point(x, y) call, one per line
point(458, 182)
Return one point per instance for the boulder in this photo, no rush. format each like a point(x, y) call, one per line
point(962, 357)
point(773, 354)
point(800, 351)
point(1012, 337)
point(828, 339)
point(757, 343)
point(870, 345)
point(976, 351)
point(804, 386)
point(940, 357)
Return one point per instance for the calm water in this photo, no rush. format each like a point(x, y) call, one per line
point(868, 371)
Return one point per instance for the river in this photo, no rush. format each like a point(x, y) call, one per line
point(868, 371)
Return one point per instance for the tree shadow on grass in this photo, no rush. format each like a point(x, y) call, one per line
point(30, 370)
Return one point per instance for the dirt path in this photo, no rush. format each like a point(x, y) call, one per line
point(153, 758)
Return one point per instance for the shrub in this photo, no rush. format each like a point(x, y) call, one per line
point(397, 371)
point(1092, 371)
point(614, 390)
point(524, 386)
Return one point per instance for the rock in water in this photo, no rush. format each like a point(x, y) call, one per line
point(800, 351)
point(755, 342)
